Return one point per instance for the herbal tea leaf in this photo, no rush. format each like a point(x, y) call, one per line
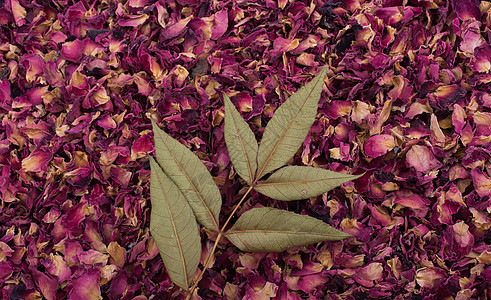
point(174, 228)
point(191, 177)
point(289, 126)
point(269, 229)
point(295, 182)
point(241, 143)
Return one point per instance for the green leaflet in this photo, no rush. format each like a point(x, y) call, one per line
point(191, 177)
point(295, 182)
point(289, 126)
point(174, 228)
point(268, 229)
point(241, 143)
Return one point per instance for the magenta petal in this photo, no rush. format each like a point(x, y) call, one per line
point(466, 9)
point(86, 287)
point(106, 122)
point(458, 117)
point(175, 29)
point(47, 285)
point(142, 144)
point(133, 21)
point(73, 51)
point(34, 65)
point(220, 24)
point(59, 268)
point(5, 271)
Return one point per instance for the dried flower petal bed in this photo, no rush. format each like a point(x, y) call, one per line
point(407, 100)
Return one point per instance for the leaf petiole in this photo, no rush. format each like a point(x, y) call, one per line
point(219, 236)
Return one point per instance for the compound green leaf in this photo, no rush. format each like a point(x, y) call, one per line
point(295, 182)
point(289, 126)
point(268, 229)
point(241, 143)
point(191, 177)
point(174, 228)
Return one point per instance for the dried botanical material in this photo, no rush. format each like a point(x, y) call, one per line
point(79, 79)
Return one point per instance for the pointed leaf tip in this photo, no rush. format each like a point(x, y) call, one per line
point(174, 228)
point(269, 229)
point(241, 142)
point(289, 126)
point(191, 177)
point(298, 182)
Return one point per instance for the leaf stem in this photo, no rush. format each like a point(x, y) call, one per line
point(219, 236)
point(236, 207)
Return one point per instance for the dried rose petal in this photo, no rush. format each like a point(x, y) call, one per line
point(86, 287)
point(422, 159)
point(482, 182)
point(37, 161)
point(368, 274)
point(429, 277)
point(379, 145)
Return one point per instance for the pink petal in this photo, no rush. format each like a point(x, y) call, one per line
point(415, 202)
point(483, 59)
point(421, 158)
point(73, 51)
point(429, 277)
point(366, 275)
point(220, 24)
point(47, 285)
point(37, 161)
point(34, 65)
point(107, 122)
point(175, 29)
point(379, 145)
point(482, 182)
point(310, 282)
point(472, 38)
point(19, 12)
point(483, 123)
point(86, 287)
point(59, 268)
point(462, 234)
point(359, 111)
point(458, 117)
point(306, 59)
point(133, 21)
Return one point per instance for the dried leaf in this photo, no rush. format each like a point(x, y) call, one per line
point(289, 126)
point(268, 229)
point(174, 228)
point(295, 182)
point(191, 177)
point(241, 143)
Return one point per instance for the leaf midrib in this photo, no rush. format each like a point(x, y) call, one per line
point(298, 182)
point(250, 231)
point(190, 181)
point(251, 178)
point(283, 135)
point(174, 228)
